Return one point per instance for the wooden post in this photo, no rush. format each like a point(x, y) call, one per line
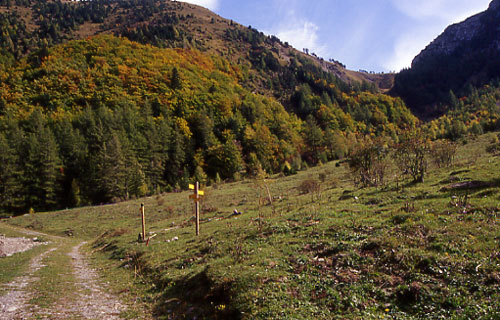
point(197, 207)
point(196, 198)
point(143, 223)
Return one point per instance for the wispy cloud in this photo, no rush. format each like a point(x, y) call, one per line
point(298, 31)
point(406, 48)
point(302, 34)
point(433, 16)
point(449, 10)
point(209, 4)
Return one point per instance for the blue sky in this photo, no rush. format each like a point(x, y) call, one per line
point(374, 35)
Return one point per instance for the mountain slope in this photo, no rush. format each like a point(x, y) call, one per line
point(187, 96)
point(163, 23)
point(465, 55)
point(104, 119)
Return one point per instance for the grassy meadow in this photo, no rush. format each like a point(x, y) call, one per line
point(400, 251)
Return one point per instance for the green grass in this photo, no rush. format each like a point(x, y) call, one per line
point(55, 279)
point(130, 287)
point(402, 251)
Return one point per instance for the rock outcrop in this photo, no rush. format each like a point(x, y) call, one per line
point(462, 35)
point(465, 55)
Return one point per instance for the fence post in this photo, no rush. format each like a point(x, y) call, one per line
point(197, 207)
point(196, 198)
point(143, 223)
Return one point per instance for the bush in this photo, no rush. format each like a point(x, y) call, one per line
point(443, 152)
point(411, 156)
point(309, 186)
point(322, 177)
point(367, 162)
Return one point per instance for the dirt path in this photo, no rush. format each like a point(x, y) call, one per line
point(89, 301)
point(14, 304)
point(92, 302)
point(10, 246)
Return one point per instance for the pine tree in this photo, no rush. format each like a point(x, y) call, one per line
point(72, 150)
point(175, 80)
point(313, 136)
point(41, 166)
point(111, 169)
point(175, 168)
point(10, 186)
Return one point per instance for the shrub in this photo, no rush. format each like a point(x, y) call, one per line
point(443, 152)
point(159, 200)
point(309, 186)
point(411, 156)
point(367, 162)
point(170, 210)
point(494, 146)
point(322, 177)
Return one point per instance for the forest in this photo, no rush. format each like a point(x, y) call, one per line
point(152, 107)
point(106, 119)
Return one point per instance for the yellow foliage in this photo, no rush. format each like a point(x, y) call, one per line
point(183, 127)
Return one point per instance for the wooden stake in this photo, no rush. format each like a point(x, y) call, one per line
point(196, 198)
point(197, 207)
point(143, 223)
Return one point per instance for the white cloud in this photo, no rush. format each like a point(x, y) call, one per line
point(433, 16)
point(406, 48)
point(296, 30)
point(209, 4)
point(301, 34)
point(449, 10)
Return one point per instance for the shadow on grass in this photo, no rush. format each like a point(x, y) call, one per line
point(195, 297)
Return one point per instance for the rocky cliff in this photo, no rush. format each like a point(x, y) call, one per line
point(465, 55)
point(462, 34)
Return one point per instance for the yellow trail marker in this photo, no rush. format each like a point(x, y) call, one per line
point(196, 198)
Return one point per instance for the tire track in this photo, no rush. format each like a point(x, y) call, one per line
point(92, 301)
point(89, 301)
point(15, 303)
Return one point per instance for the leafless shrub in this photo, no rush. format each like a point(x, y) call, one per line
point(368, 164)
point(443, 153)
point(170, 210)
point(322, 177)
point(207, 208)
point(160, 201)
point(408, 207)
point(309, 186)
point(411, 156)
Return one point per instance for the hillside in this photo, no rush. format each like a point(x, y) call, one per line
point(170, 24)
point(398, 251)
point(463, 57)
point(105, 119)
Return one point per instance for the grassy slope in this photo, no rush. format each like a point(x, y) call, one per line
point(402, 251)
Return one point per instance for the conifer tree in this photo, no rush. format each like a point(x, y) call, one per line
point(111, 170)
point(313, 136)
point(174, 170)
point(10, 186)
point(175, 81)
point(72, 150)
point(41, 165)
